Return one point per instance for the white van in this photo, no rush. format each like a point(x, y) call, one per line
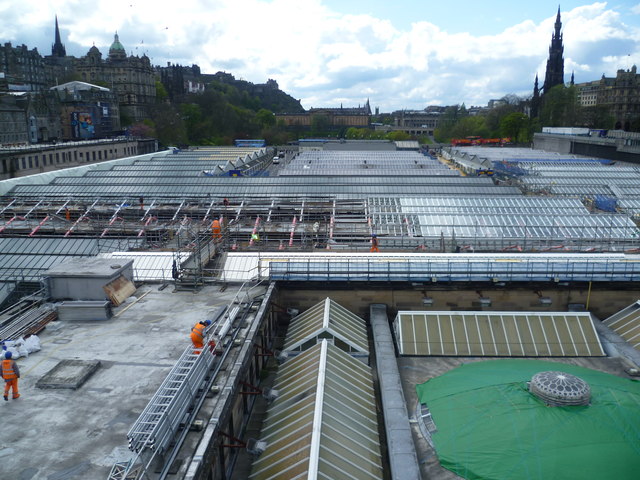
point(276, 160)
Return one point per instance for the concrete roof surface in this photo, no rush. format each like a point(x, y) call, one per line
point(64, 434)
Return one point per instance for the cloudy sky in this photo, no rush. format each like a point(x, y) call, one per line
point(403, 54)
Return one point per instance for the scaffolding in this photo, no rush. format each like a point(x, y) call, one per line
point(437, 224)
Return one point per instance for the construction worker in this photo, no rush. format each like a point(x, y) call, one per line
point(10, 373)
point(374, 243)
point(197, 334)
point(216, 230)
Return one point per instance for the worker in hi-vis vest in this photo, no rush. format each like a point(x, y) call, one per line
point(216, 230)
point(197, 334)
point(10, 374)
point(374, 243)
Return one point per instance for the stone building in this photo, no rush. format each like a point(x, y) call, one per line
point(13, 122)
point(43, 116)
point(22, 69)
point(417, 122)
point(87, 111)
point(132, 78)
point(621, 97)
point(31, 159)
point(588, 93)
point(329, 118)
point(178, 80)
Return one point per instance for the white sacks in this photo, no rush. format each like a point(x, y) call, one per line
point(21, 347)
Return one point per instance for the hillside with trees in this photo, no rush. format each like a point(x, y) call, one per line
point(226, 110)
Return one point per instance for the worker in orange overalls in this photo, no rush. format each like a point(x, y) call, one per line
point(10, 374)
point(216, 230)
point(374, 243)
point(197, 334)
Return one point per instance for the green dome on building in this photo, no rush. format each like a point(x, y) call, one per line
point(117, 49)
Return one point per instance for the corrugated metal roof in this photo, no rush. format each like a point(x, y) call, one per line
point(27, 258)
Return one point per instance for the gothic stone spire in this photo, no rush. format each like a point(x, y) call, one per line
point(555, 64)
point(57, 49)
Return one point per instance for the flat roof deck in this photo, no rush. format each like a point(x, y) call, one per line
point(61, 433)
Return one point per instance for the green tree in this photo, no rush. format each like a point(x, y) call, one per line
point(351, 133)
point(161, 92)
point(398, 136)
point(198, 127)
point(169, 125)
point(494, 117)
point(451, 116)
point(516, 126)
point(265, 118)
point(560, 107)
point(470, 126)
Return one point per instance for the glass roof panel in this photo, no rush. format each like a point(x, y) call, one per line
point(327, 318)
point(347, 440)
point(513, 334)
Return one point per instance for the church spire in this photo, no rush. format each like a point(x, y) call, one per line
point(555, 64)
point(535, 100)
point(57, 49)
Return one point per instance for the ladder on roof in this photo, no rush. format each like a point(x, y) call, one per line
point(162, 417)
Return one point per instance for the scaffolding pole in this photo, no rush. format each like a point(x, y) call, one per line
point(81, 218)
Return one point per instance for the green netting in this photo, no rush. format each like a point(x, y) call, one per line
point(490, 427)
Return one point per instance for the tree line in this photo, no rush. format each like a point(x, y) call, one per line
point(560, 107)
point(226, 111)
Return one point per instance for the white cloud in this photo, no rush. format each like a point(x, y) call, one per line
point(326, 59)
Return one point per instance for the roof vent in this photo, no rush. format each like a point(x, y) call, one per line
point(558, 389)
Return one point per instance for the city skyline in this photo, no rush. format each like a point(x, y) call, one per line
point(402, 56)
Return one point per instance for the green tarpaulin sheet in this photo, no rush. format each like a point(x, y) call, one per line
point(490, 427)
